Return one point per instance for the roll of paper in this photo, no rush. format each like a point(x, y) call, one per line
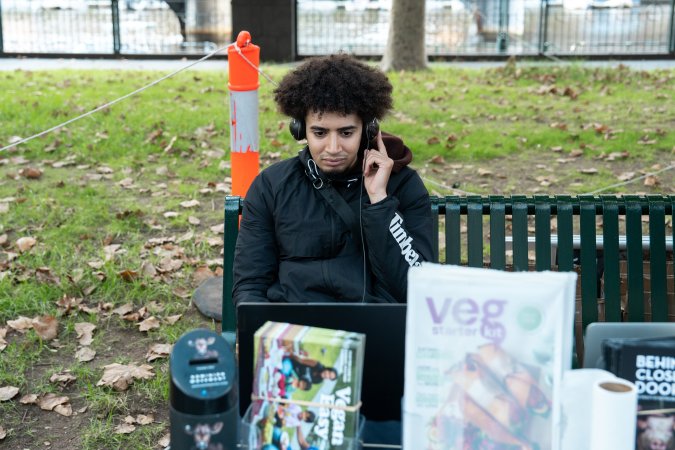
point(614, 408)
point(577, 390)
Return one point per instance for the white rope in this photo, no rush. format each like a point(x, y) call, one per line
point(89, 113)
point(448, 188)
point(238, 50)
point(629, 181)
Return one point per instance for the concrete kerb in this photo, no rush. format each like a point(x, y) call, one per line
point(8, 64)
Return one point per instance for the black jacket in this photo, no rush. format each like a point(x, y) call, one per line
point(294, 247)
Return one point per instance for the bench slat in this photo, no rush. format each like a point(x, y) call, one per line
point(612, 267)
point(565, 253)
point(233, 206)
point(636, 307)
point(588, 261)
point(452, 230)
point(519, 224)
point(657, 253)
point(474, 236)
point(542, 229)
point(435, 218)
point(497, 232)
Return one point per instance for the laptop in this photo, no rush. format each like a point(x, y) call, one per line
point(598, 331)
point(384, 360)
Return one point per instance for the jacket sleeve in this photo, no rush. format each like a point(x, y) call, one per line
point(255, 255)
point(398, 232)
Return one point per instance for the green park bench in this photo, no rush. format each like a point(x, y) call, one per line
point(625, 269)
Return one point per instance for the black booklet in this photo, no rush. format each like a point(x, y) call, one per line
point(650, 365)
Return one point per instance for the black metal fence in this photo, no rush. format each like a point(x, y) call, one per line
point(454, 28)
point(494, 27)
point(118, 27)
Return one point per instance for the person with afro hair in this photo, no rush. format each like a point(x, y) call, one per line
point(346, 218)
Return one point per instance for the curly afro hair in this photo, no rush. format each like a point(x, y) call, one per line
point(335, 83)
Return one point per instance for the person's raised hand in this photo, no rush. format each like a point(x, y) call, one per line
point(377, 166)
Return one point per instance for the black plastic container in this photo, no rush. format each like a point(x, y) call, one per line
point(203, 395)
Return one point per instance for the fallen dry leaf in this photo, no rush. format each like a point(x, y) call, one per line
point(186, 237)
point(120, 376)
point(148, 324)
point(3, 434)
point(85, 354)
point(165, 440)
point(25, 243)
point(8, 393)
point(171, 214)
point(651, 180)
point(29, 399)
point(170, 320)
point(62, 378)
point(85, 332)
point(201, 274)
point(124, 428)
point(123, 310)
point(50, 401)
point(45, 275)
point(190, 203)
point(64, 410)
point(128, 275)
point(437, 159)
point(96, 264)
point(192, 220)
point(3, 342)
point(111, 250)
point(31, 173)
point(47, 327)
point(589, 171)
point(625, 176)
point(148, 269)
point(218, 229)
point(158, 351)
point(22, 324)
point(68, 304)
point(484, 172)
point(143, 419)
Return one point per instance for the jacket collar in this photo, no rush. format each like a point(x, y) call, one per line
point(318, 178)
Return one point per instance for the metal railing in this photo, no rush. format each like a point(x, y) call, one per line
point(454, 28)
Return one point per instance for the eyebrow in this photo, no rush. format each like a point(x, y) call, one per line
point(347, 128)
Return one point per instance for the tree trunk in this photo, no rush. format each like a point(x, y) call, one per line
point(405, 42)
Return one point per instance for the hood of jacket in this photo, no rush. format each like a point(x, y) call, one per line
point(396, 150)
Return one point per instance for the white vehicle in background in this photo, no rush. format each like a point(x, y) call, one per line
point(452, 5)
point(367, 5)
point(613, 4)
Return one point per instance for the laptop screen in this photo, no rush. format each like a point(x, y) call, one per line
point(598, 331)
point(384, 360)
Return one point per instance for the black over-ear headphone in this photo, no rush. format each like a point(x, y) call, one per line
point(372, 127)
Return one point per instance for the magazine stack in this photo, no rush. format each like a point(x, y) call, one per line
point(306, 388)
point(485, 355)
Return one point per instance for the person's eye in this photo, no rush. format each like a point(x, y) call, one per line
point(347, 133)
point(319, 133)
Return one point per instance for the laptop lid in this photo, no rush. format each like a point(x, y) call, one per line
point(384, 360)
point(596, 332)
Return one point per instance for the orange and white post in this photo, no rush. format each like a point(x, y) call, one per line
point(243, 58)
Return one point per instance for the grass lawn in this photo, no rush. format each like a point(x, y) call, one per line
point(114, 220)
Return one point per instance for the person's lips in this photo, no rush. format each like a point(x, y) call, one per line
point(332, 162)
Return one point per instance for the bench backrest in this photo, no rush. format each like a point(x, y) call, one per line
point(515, 233)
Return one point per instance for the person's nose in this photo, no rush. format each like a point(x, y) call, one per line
point(333, 144)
